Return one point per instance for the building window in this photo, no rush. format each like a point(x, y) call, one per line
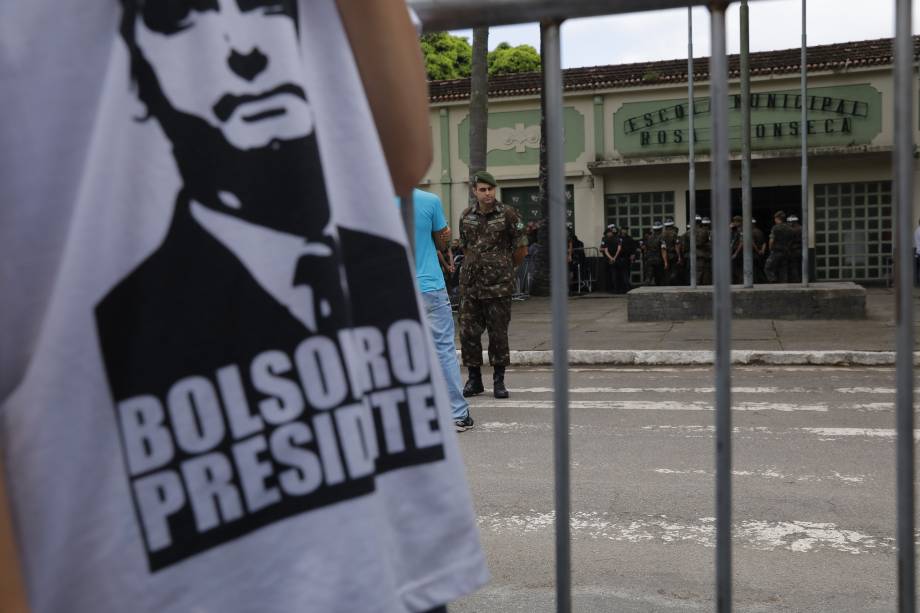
point(853, 231)
point(638, 211)
point(527, 201)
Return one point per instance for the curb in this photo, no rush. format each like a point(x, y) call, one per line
point(587, 357)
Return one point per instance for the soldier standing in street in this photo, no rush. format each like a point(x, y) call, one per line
point(781, 237)
point(626, 258)
point(655, 255)
point(609, 244)
point(490, 233)
point(704, 252)
point(736, 245)
point(674, 257)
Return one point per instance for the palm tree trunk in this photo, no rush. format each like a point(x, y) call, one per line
point(479, 100)
point(540, 281)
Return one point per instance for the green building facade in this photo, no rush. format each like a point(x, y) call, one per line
point(626, 139)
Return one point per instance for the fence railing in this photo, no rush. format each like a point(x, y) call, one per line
point(453, 14)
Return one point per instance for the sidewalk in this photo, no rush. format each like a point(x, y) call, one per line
point(600, 333)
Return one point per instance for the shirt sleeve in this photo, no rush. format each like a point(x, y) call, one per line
point(515, 227)
point(438, 222)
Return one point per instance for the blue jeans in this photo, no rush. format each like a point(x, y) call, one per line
point(441, 321)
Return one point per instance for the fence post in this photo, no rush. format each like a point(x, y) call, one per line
point(803, 130)
point(904, 198)
point(721, 300)
point(746, 196)
point(692, 154)
point(552, 87)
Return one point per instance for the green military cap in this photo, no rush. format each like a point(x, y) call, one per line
point(484, 177)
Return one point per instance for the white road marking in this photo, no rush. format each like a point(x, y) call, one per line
point(769, 473)
point(710, 429)
point(862, 432)
point(875, 406)
point(660, 390)
point(865, 390)
point(796, 536)
point(625, 368)
point(511, 426)
point(648, 405)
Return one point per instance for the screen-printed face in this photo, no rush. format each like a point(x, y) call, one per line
point(232, 63)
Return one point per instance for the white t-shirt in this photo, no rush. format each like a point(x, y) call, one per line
point(216, 390)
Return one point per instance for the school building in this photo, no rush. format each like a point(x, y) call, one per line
point(626, 147)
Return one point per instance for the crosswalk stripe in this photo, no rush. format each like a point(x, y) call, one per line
point(650, 405)
point(854, 432)
point(762, 535)
point(661, 390)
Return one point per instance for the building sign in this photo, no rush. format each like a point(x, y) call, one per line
point(513, 137)
point(837, 116)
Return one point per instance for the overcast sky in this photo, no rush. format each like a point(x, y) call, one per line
point(662, 35)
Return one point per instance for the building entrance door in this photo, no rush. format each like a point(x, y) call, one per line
point(765, 201)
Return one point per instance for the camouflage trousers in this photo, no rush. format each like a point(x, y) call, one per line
point(476, 316)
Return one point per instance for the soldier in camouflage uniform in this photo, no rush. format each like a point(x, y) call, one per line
point(674, 260)
point(655, 254)
point(781, 238)
point(704, 252)
point(490, 234)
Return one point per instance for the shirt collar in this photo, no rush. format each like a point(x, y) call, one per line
point(269, 255)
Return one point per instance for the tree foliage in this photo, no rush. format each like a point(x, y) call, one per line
point(505, 59)
point(446, 56)
point(450, 57)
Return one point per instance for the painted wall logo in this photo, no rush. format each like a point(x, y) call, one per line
point(848, 115)
point(513, 137)
point(251, 384)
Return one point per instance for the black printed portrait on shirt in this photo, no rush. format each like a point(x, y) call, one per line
point(259, 365)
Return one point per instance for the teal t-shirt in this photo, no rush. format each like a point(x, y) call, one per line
point(429, 217)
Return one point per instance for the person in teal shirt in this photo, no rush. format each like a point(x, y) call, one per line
point(432, 233)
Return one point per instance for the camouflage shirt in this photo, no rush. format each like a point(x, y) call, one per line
point(669, 239)
point(703, 243)
point(783, 237)
point(488, 241)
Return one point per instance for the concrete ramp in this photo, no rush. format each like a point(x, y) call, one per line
point(773, 301)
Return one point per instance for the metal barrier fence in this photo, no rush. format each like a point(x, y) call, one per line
point(454, 14)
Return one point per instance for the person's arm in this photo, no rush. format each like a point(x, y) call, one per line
point(389, 59)
point(515, 232)
point(12, 594)
point(441, 238)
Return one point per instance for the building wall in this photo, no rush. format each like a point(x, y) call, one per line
point(596, 166)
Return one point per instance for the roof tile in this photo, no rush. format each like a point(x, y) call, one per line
point(822, 57)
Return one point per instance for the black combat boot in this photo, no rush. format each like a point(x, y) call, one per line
point(473, 383)
point(498, 382)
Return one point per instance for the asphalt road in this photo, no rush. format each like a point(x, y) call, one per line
point(813, 502)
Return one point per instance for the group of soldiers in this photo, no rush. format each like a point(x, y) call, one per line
point(776, 259)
